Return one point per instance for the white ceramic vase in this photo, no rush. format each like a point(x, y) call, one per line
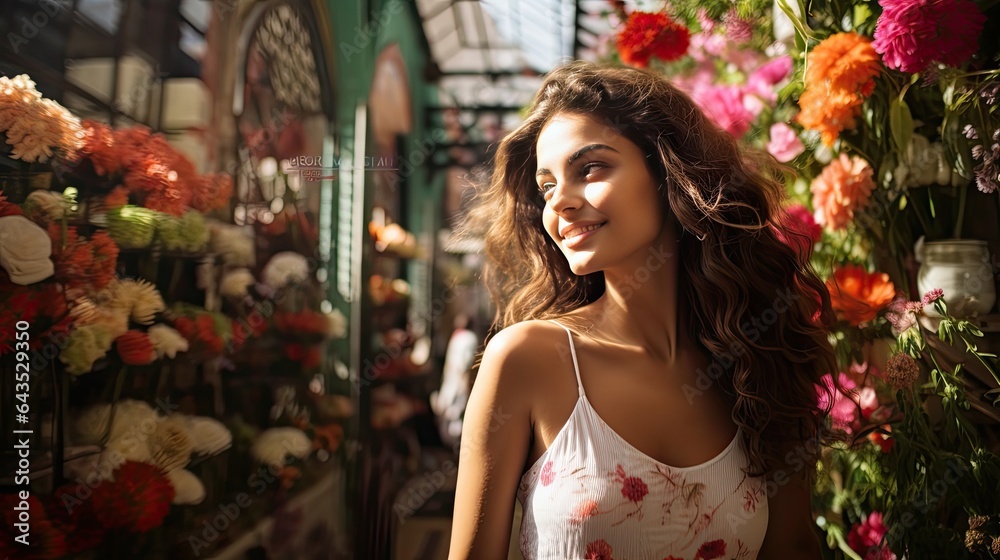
point(963, 270)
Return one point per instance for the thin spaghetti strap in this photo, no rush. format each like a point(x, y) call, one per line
point(572, 350)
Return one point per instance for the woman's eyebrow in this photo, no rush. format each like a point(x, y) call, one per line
point(576, 155)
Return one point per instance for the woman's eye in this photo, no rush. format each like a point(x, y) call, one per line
point(592, 167)
point(546, 187)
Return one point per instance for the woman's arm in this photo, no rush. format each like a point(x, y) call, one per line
point(495, 438)
point(790, 528)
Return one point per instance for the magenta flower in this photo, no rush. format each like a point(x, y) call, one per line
point(843, 409)
point(911, 34)
point(724, 106)
point(773, 72)
point(866, 537)
point(784, 144)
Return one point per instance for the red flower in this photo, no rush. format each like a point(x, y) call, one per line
point(646, 35)
point(8, 208)
point(73, 511)
point(306, 321)
point(117, 197)
point(135, 348)
point(711, 550)
point(212, 192)
point(634, 488)
point(137, 500)
point(308, 356)
point(548, 474)
point(46, 540)
point(87, 264)
point(883, 441)
point(99, 145)
point(598, 550)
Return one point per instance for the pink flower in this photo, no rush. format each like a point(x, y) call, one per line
point(598, 550)
point(724, 105)
point(802, 220)
point(843, 409)
point(773, 71)
point(634, 488)
point(901, 314)
point(932, 296)
point(738, 29)
point(911, 34)
point(866, 538)
point(784, 144)
point(842, 188)
point(548, 474)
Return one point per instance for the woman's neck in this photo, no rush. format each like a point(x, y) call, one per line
point(640, 306)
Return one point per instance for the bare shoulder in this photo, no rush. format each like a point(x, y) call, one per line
point(519, 351)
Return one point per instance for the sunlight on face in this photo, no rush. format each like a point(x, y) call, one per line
point(601, 204)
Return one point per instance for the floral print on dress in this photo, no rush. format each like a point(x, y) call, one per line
point(711, 550)
point(547, 475)
point(599, 550)
point(593, 496)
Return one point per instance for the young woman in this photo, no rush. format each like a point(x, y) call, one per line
point(650, 392)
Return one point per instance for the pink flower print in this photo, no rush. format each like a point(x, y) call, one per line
point(599, 550)
point(548, 474)
point(711, 550)
point(583, 510)
point(634, 488)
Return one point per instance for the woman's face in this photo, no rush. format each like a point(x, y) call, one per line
point(601, 202)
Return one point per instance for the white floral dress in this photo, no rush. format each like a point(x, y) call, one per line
point(594, 496)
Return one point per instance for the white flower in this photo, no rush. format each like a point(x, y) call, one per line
point(46, 204)
point(139, 297)
point(188, 488)
point(167, 341)
point(273, 445)
point(235, 283)
point(208, 435)
point(132, 448)
point(90, 464)
point(170, 446)
point(234, 243)
point(89, 425)
point(336, 324)
point(284, 268)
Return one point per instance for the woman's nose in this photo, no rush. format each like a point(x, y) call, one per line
point(565, 197)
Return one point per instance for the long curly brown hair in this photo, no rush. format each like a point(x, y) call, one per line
point(735, 250)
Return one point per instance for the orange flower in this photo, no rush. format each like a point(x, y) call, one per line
point(844, 61)
point(843, 187)
point(857, 295)
point(840, 74)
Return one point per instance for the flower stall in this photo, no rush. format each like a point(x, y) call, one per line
point(884, 115)
point(171, 365)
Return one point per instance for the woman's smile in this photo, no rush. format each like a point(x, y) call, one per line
point(578, 235)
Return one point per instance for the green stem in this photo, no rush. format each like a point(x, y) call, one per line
point(963, 193)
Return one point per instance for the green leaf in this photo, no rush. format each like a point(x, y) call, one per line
point(901, 123)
